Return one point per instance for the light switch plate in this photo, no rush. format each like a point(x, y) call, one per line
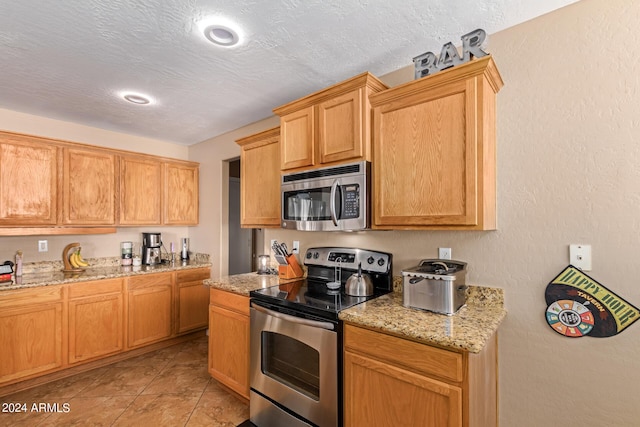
point(580, 256)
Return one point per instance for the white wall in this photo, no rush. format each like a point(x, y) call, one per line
point(107, 245)
point(568, 172)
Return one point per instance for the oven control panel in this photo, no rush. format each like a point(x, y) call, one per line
point(349, 258)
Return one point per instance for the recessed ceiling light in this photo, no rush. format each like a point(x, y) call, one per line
point(220, 32)
point(136, 98)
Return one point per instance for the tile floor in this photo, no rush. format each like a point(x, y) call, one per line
point(169, 387)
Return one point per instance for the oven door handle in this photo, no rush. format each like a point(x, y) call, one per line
point(313, 323)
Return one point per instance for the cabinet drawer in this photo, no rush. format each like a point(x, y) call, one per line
point(42, 294)
point(193, 275)
point(149, 280)
point(229, 300)
point(96, 287)
point(414, 356)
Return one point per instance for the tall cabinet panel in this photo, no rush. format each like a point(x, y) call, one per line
point(89, 187)
point(436, 136)
point(260, 179)
point(140, 189)
point(28, 182)
point(180, 194)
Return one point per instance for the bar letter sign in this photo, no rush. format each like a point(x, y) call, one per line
point(428, 63)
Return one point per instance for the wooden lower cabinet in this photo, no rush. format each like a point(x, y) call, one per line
point(32, 333)
point(192, 305)
point(150, 299)
point(50, 328)
point(229, 340)
point(394, 381)
point(96, 319)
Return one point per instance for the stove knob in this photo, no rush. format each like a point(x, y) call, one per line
point(316, 255)
point(370, 260)
point(308, 255)
point(381, 262)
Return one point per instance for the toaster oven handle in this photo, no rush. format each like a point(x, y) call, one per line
point(415, 280)
point(293, 319)
point(332, 203)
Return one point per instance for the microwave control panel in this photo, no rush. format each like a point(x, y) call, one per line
point(351, 201)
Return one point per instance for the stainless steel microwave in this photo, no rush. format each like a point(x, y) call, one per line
point(334, 198)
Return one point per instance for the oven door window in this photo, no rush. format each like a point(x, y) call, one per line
point(292, 363)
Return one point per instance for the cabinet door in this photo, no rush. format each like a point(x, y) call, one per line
point(28, 182)
point(180, 194)
point(96, 319)
point(340, 128)
point(434, 150)
point(369, 386)
point(425, 151)
point(229, 348)
point(297, 148)
point(140, 191)
point(260, 180)
point(193, 300)
point(88, 187)
point(150, 313)
point(31, 339)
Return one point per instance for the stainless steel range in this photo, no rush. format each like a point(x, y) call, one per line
point(296, 338)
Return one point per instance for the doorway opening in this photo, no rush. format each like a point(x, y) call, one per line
point(241, 240)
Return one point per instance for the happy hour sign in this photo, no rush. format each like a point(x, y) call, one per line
point(578, 305)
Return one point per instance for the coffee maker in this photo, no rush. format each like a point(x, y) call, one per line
point(151, 244)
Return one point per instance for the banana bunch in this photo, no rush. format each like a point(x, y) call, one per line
point(76, 260)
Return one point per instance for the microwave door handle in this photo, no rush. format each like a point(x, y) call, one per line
point(293, 319)
point(332, 203)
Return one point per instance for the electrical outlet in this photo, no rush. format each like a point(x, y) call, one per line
point(580, 256)
point(43, 246)
point(444, 253)
point(296, 247)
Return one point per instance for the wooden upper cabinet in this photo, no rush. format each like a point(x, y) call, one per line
point(434, 150)
point(298, 139)
point(140, 191)
point(340, 126)
point(88, 187)
point(28, 181)
point(329, 126)
point(260, 179)
point(181, 194)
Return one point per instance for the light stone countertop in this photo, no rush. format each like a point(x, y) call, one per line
point(242, 284)
point(50, 273)
point(468, 330)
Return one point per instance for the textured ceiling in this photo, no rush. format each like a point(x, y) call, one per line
point(69, 59)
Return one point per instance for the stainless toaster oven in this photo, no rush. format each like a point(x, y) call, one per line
point(435, 285)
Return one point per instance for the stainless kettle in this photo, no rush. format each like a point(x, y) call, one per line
point(359, 285)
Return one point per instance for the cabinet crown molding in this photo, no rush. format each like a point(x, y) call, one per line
point(478, 67)
point(365, 79)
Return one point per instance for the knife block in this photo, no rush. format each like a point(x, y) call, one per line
point(290, 271)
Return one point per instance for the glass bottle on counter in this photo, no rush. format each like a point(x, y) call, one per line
point(19, 263)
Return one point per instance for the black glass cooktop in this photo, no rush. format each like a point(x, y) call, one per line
point(311, 297)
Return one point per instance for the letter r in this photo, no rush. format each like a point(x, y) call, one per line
point(471, 44)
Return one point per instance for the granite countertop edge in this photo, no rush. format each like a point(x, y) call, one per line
point(468, 330)
point(57, 277)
